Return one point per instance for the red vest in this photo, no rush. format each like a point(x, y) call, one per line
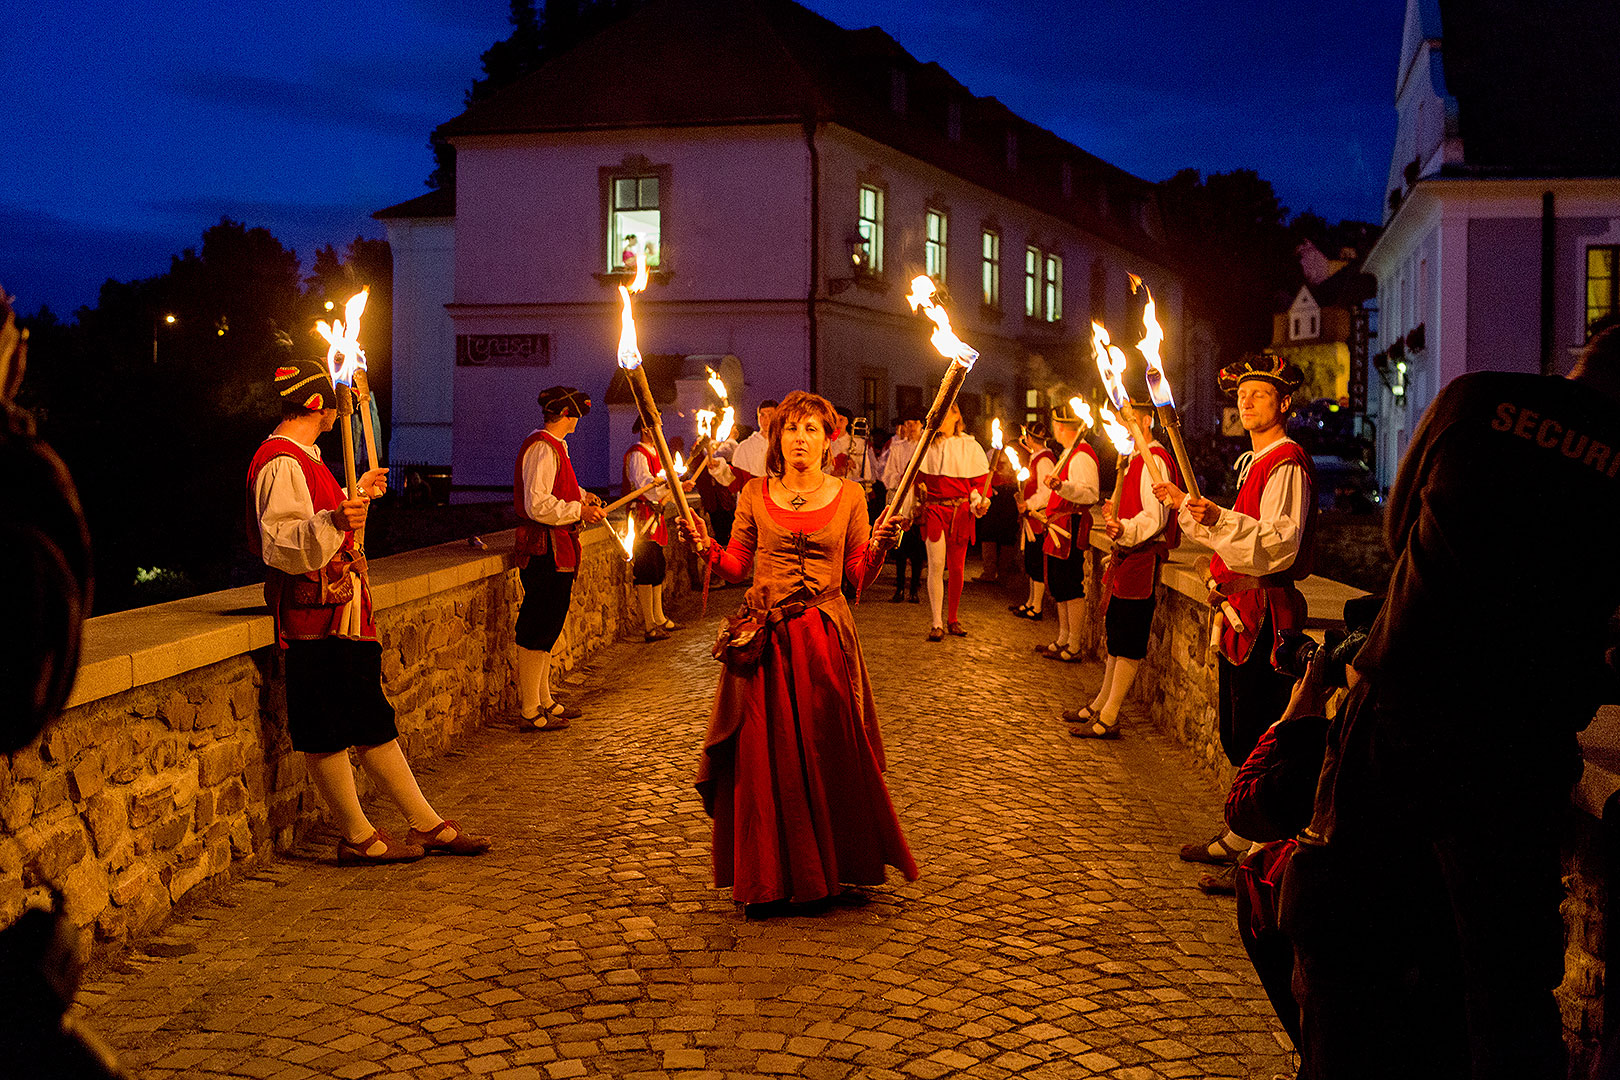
point(534, 538)
point(1072, 518)
point(295, 622)
point(1032, 485)
point(1277, 595)
point(649, 515)
point(1133, 573)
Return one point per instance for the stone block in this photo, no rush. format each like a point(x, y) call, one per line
point(214, 712)
point(84, 892)
point(178, 712)
point(203, 813)
point(51, 793)
point(217, 762)
point(169, 832)
point(149, 908)
point(231, 799)
point(49, 853)
point(186, 878)
point(245, 700)
point(26, 765)
point(17, 808)
point(168, 752)
point(106, 815)
point(150, 799)
point(241, 838)
point(87, 777)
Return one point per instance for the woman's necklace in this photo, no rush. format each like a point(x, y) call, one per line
point(798, 500)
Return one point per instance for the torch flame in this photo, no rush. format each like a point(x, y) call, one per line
point(628, 540)
point(944, 338)
point(1082, 409)
point(1012, 456)
point(680, 466)
point(716, 384)
point(629, 353)
point(343, 339)
point(1152, 338)
point(1110, 365)
point(728, 420)
point(1121, 438)
point(995, 433)
point(705, 422)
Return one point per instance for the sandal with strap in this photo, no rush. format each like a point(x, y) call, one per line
point(462, 843)
point(1200, 853)
point(394, 851)
point(1096, 730)
point(1065, 656)
point(1085, 714)
point(553, 719)
point(936, 634)
point(954, 628)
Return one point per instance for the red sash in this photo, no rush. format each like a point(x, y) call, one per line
point(1031, 486)
point(296, 622)
point(1133, 573)
point(1278, 596)
point(649, 515)
point(533, 538)
point(1072, 518)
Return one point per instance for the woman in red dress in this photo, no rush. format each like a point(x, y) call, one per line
point(792, 769)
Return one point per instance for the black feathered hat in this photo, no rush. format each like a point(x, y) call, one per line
point(305, 382)
point(564, 401)
point(1265, 365)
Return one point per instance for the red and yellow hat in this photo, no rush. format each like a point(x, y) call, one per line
point(1265, 365)
point(306, 382)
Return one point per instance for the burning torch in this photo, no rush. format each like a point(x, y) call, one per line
point(995, 444)
point(1159, 387)
point(1111, 366)
point(961, 357)
point(630, 361)
point(343, 340)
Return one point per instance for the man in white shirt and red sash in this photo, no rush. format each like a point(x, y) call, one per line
point(1073, 486)
point(748, 459)
point(1262, 546)
point(1033, 495)
point(320, 597)
point(648, 565)
point(951, 481)
point(550, 508)
point(896, 456)
point(1144, 532)
point(852, 457)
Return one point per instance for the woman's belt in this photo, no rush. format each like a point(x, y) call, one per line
point(790, 609)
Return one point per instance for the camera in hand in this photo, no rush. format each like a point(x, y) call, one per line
point(1296, 650)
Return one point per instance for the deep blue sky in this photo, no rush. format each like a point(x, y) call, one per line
point(134, 127)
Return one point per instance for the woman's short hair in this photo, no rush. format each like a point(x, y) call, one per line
point(798, 405)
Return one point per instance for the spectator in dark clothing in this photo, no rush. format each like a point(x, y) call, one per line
point(1434, 842)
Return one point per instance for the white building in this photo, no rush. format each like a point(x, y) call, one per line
point(784, 178)
point(1501, 244)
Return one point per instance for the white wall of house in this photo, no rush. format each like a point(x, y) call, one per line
point(423, 340)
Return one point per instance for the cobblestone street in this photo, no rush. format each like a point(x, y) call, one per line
point(1053, 933)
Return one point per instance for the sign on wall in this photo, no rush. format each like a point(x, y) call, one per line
point(503, 350)
point(1358, 359)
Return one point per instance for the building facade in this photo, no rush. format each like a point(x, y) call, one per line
point(1502, 220)
point(783, 179)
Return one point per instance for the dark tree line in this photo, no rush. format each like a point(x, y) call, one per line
point(157, 418)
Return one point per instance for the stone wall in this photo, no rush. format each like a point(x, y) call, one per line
point(141, 792)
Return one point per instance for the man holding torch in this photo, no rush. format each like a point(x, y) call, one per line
point(320, 597)
point(1144, 532)
point(952, 477)
point(550, 507)
point(649, 566)
point(1074, 487)
point(1262, 546)
point(1033, 495)
point(748, 459)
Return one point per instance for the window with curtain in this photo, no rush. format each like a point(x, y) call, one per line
point(992, 268)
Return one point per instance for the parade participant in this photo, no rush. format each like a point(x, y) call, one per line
point(792, 769)
point(550, 509)
point(951, 483)
point(1144, 532)
point(1456, 749)
point(1073, 484)
point(910, 549)
point(1262, 547)
point(748, 459)
point(648, 565)
point(1031, 504)
point(852, 457)
point(320, 598)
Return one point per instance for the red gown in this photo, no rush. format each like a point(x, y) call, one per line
point(792, 769)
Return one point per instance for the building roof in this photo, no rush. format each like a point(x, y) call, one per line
point(774, 61)
point(437, 203)
point(1535, 86)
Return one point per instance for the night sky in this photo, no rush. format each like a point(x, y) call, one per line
point(134, 127)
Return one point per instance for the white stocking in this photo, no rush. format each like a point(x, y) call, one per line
point(387, 767)
point(1063, 625)
point(936, 579)
point(1076, 622)
point(1124, 674)
point(1102, 691)
point(658, 605)
point(333, 777)
point(1037, 590)
point(534, 681)
point(649, 609)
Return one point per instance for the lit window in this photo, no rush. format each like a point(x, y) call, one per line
point(1601, 288)
point(934, 245)
point(992, 268)
point(871, 229)
point(635, 229)
point(1054, 288)
point(1032, 282)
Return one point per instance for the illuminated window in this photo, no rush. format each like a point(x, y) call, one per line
point(870, 227)
point(992, 268)
point(635, 231)
point(1054, 288)
point(1032, 282)
point(934, 245)
point(1602, 293)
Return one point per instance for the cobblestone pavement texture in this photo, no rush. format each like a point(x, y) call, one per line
point(1053, 933)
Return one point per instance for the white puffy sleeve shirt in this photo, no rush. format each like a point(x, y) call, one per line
point(1269, 543)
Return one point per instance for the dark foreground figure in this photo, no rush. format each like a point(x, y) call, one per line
point(1423, 902)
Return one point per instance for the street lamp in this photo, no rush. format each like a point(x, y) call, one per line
point(165, 320)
